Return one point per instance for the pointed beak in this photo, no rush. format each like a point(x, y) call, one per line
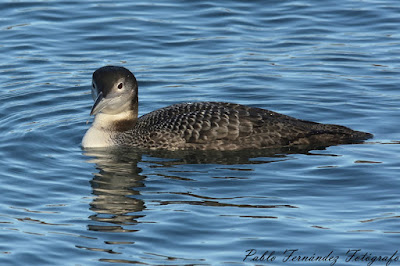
point(99, 104)
point(112, 104)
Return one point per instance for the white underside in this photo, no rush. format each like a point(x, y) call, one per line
point(96, 138)
point(100, 133)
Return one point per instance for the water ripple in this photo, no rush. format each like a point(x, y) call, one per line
point(324, 62)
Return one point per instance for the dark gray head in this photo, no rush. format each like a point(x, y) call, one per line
point(114, 89)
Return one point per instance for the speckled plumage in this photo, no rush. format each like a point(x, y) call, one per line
point(210, 125)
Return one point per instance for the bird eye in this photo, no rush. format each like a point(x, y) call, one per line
point(120, 86)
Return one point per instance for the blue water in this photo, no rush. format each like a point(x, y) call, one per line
point(325, 61)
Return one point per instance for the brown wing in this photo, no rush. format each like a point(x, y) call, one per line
point(208, 122)
point(218, 125)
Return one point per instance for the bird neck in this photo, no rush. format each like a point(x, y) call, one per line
point(120, 122)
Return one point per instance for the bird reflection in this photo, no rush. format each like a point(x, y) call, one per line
point(117, 203)
point(114, 186)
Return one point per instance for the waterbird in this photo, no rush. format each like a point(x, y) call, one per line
point(197, 125)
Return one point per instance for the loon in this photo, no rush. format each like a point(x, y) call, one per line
point(195, 126)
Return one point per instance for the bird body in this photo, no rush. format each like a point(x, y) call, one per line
point(198, 126)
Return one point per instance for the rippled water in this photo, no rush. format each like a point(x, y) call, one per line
point(326, 61)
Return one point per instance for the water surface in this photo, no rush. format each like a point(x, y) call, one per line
point(323, 61)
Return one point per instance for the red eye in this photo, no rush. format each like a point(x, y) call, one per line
point(120, 86)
